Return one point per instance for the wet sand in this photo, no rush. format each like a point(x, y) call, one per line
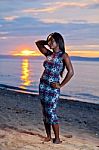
point(21, 124)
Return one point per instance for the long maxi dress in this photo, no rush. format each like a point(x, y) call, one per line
point(49, 95)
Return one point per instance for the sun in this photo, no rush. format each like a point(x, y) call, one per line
point(25, 52)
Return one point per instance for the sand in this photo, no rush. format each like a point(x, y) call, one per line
point(21, 124)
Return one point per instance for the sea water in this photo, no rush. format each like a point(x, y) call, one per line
point(25, 73)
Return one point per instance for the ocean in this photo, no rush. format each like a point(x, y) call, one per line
point(24, 74)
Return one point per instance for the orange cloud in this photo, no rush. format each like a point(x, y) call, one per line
point(55, 6)
point(48, 9)
point(83, 53)
point(10, 18)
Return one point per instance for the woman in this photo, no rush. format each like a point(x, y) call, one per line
point(49, 86)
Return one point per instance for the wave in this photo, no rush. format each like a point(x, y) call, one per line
point(62, 96)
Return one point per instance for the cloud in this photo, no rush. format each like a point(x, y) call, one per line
point(75, 33)
point(93, 6)
point(62, 12)
point(40, 10)
point(25, 21)
point(10, 18)
point(18, 24)
point(53, 7)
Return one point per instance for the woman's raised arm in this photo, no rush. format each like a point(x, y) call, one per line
point(41, 46)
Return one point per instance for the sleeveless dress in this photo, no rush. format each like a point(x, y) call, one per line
point(49, 95)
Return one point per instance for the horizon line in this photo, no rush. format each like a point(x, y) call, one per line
point(43, 56)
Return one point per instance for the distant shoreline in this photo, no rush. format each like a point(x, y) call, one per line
point(74, 58)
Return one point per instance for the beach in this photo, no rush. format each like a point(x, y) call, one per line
point(21, 123)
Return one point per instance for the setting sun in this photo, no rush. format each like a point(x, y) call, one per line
point(25, 52)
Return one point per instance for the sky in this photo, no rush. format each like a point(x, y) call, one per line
point(23, 22)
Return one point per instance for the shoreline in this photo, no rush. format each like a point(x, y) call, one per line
point(34, 92)
point(20, 113)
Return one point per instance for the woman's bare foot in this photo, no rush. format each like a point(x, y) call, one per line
point(47, 139)
point(57, 141)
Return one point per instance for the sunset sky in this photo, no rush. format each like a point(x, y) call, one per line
point(22, 22)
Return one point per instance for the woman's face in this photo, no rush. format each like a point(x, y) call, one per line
point(52, 43)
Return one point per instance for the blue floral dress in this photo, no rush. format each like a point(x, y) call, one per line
point(49, 95)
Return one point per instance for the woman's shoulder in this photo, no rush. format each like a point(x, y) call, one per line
point(65, 55)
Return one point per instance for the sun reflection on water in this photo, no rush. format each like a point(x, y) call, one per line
point(25, 74)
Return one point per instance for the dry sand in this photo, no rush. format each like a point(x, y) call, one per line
point(21, 125)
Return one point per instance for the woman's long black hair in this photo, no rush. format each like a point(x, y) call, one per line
point(60, 41)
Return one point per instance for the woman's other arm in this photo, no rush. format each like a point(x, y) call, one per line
point(69, 67)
